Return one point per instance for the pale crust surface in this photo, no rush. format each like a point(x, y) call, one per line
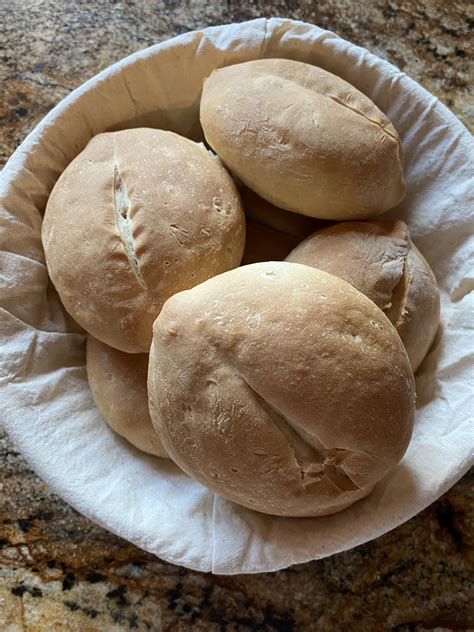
point(380, 260)
point(139, 215)
point(281, 388)
point(118, 382)
point(303, 139)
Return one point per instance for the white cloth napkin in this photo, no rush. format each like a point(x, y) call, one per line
point(45, 399)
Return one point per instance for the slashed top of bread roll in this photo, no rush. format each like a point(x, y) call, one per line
point(118, 382)
point(303, 139)
point(380, 260)
point(139, 215)
point(280, 387)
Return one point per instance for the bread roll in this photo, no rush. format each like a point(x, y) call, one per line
point(139, 215)
point(280, 387)
point(380, 260)
point(118, 385)
point(293, 224)
point(303, 139)
point(264, 244)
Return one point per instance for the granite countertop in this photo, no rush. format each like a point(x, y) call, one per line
point(60, 571)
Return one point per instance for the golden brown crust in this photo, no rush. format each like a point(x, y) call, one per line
point(280, 387)
point(303, 139)
point(379, 259)
point(139, 215)
point(118, 382)
point(293, 224)
point(418, 319)
point(264, 244)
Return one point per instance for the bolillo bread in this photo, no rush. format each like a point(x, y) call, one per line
point(380, 260)
point(262, 212)
point(265, 244)
point(303, 139)
point(280, 387)
point(118, 382)
point(139, 215)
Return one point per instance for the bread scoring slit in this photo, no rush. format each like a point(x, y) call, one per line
point(123, 222)
point(356, 111)
point(339, 102)
point(397, 310)
point(314, 461)
point(339, 478)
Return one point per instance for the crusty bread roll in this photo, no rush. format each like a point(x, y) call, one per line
point(303, 139)
point(293, 224)
point(118, 383)
point(280, 387)
point(139, 215)
point(380, 260)
point(264, 244)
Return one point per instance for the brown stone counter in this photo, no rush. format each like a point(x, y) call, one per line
point(58, 571)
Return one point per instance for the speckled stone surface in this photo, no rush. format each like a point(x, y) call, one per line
point(58, 571)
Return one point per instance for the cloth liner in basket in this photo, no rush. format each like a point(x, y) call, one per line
point(46, 403)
